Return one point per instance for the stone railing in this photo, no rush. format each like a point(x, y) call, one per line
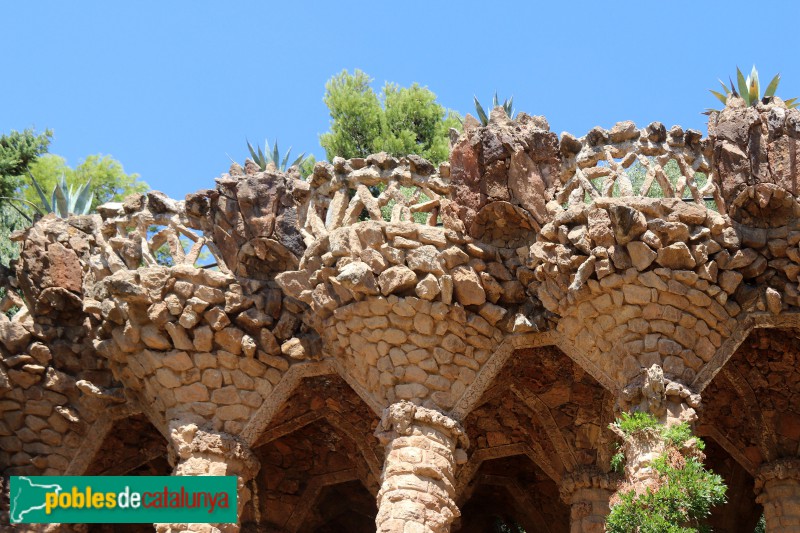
point(383, 187)
point(146, 231)
point(599, 164)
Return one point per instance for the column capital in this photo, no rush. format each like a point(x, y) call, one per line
point(190, 441)
point(666, 399)
point(418, 481)
point(780, 469)
point(587, 478)
point(202, 452)
point(400, 419)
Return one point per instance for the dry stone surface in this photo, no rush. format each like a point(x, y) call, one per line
point(652, 293)
point(529, 288)
point(753, 401)
point(411, 349)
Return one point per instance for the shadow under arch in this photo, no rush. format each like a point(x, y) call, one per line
point(318, 452)
point(509, 493)
point(133, 446)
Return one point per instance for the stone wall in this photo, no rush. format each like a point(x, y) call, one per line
point(434, 349)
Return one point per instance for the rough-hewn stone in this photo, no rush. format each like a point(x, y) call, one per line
point(522, 239)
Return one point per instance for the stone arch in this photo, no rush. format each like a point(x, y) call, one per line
point(280, 393)
point(335, 420)
point(487, 377)
point(740, 512)
point(120, 445)
point(320, 440)
point(528, 497)
point(753, 414)
point(130, 446)
point(752, 409)
point(566, 414)
point(545, 417)
point(745, 327)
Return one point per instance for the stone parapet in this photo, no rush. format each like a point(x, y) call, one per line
point(417, 491)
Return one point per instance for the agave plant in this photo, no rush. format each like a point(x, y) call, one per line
point(750, 90)
point(262, 159)
point(507, 105)
point(66, 201)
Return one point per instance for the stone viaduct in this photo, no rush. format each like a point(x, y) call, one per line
point(392, 345)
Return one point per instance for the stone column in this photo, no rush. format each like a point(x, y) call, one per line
point(670, 403)
point(588, 493)
point(417, 492)
point(196, 452)
point(778, 490)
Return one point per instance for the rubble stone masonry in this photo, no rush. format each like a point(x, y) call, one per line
point(396, 346)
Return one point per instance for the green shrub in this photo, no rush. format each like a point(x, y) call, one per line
point(618, 459)
point(630, 423)
point(683, 494)
point(683, 497)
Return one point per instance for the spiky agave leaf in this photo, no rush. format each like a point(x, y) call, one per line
point(273, 155)
point(276, 156)
point(753, 86)
point(481, 113)
point(252, 152)
point(258, 157)
point(285, 160)
point(299, 160)
point(71, 198)
point(722, 98)
point(743, 90)
point(733, 89)
point(262, 160)
point(509, 107)
point(791, 103)
point(773, 86)
point(84, 198)
point(40, 192)
point(61, 198)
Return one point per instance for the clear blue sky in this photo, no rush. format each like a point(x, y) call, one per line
point(169, 88)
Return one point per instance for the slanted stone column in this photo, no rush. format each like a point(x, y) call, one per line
point(196, 452)
point(588, 493)
point(778, 490)
point(670, 403)
point(417, 492)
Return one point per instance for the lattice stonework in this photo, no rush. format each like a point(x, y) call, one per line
point(597, 164)
point(132, 236)
point(379, 187)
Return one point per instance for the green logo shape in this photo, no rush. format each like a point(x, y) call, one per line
point(122, 499)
